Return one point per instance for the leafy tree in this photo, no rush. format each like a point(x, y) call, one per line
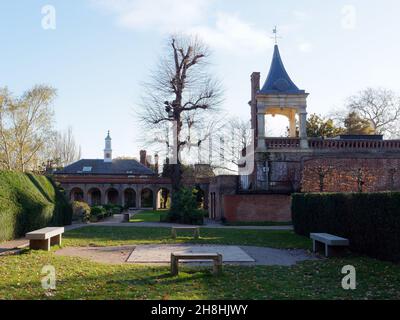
point(357, 125)
point(318, 126)
point(184, 208)
point(380, 107)
point(25, 127)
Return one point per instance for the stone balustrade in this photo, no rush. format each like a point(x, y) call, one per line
point(323, 144)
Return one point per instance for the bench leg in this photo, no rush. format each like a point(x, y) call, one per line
point(217, 269)
point(39, 244)
point(56, 240)
point(174, 265)
point(326, 251)
point(173, 234)
point(318, 246)
point(196, 234)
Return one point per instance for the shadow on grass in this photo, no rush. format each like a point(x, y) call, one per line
point(108, 236)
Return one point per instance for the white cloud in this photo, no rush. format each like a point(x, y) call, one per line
point(163, 15)
point(227, 32)
point(230, 33)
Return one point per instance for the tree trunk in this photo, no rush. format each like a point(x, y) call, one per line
point(176, 177)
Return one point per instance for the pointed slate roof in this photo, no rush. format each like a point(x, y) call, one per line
point(278, 80)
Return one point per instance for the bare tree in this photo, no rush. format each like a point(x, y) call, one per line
point(25, 126)
point(63, 149)
point(230, 141)
point(381, 107)
point(179, 93)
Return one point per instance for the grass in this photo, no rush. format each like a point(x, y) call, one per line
point(114, 236)
point(147, 216)
point(260, 224)
point(78, 278)
point(82, 279)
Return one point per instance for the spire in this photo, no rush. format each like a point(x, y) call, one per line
point(278, 80)
point(108, 149)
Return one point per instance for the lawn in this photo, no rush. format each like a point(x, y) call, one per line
point(77, 278)
point(114, 236)
point(147, 216)
point(82, 279)
point(263, 224)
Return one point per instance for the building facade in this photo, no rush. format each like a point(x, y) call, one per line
point(282, 166)
point(125, 182)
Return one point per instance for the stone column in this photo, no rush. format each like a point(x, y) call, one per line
point(138, 198)
point(85, 194)
point(103, 196)
point(303, 130)
point(292, 125)
point(261, 131)
point(121, 196)
point(155, 198)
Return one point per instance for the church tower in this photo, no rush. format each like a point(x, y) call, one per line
point(107, 149)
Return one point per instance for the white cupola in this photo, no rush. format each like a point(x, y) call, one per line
point(107, 149)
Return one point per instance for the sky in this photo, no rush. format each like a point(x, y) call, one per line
point(96, 53)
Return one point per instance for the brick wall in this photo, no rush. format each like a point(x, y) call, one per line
point(346, 175)
point(252, 208)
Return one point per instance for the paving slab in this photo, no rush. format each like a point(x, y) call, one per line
point(162, 253)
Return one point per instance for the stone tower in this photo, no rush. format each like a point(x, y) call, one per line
point(278, 96)
point(108, 149)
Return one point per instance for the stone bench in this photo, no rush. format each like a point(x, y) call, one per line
point(196, 231)
point(215, 257)
point(44, 238)
point(327, 242)
point(127, 216)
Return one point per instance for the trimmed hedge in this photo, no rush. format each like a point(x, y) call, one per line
point(29, 202)
point(371, 221)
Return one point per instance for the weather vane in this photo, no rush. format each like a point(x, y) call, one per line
point(275, 37)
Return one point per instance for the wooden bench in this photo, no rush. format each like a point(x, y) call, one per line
point(44, 238)
point(215, 257)
point(327, 242)
point(196, 231)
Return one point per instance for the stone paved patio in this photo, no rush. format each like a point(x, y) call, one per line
point(162, 253)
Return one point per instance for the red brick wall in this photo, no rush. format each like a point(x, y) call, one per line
point(342, 175)
point(253, 208)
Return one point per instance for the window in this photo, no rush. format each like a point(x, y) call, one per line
point(87, 169)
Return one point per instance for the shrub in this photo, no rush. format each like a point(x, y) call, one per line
point(371, 221)
point(29, 202)
point(184, 208)
point(98, 213)
point(81, 211)
point(113, 209)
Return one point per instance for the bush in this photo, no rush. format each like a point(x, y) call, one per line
point(113, 209)
point(98, 213)
point(80, 211)
point(29, 202)
point(184, 208)
point(371, 221)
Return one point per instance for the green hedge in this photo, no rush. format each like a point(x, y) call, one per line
point(29, 202)
point(371, 221)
